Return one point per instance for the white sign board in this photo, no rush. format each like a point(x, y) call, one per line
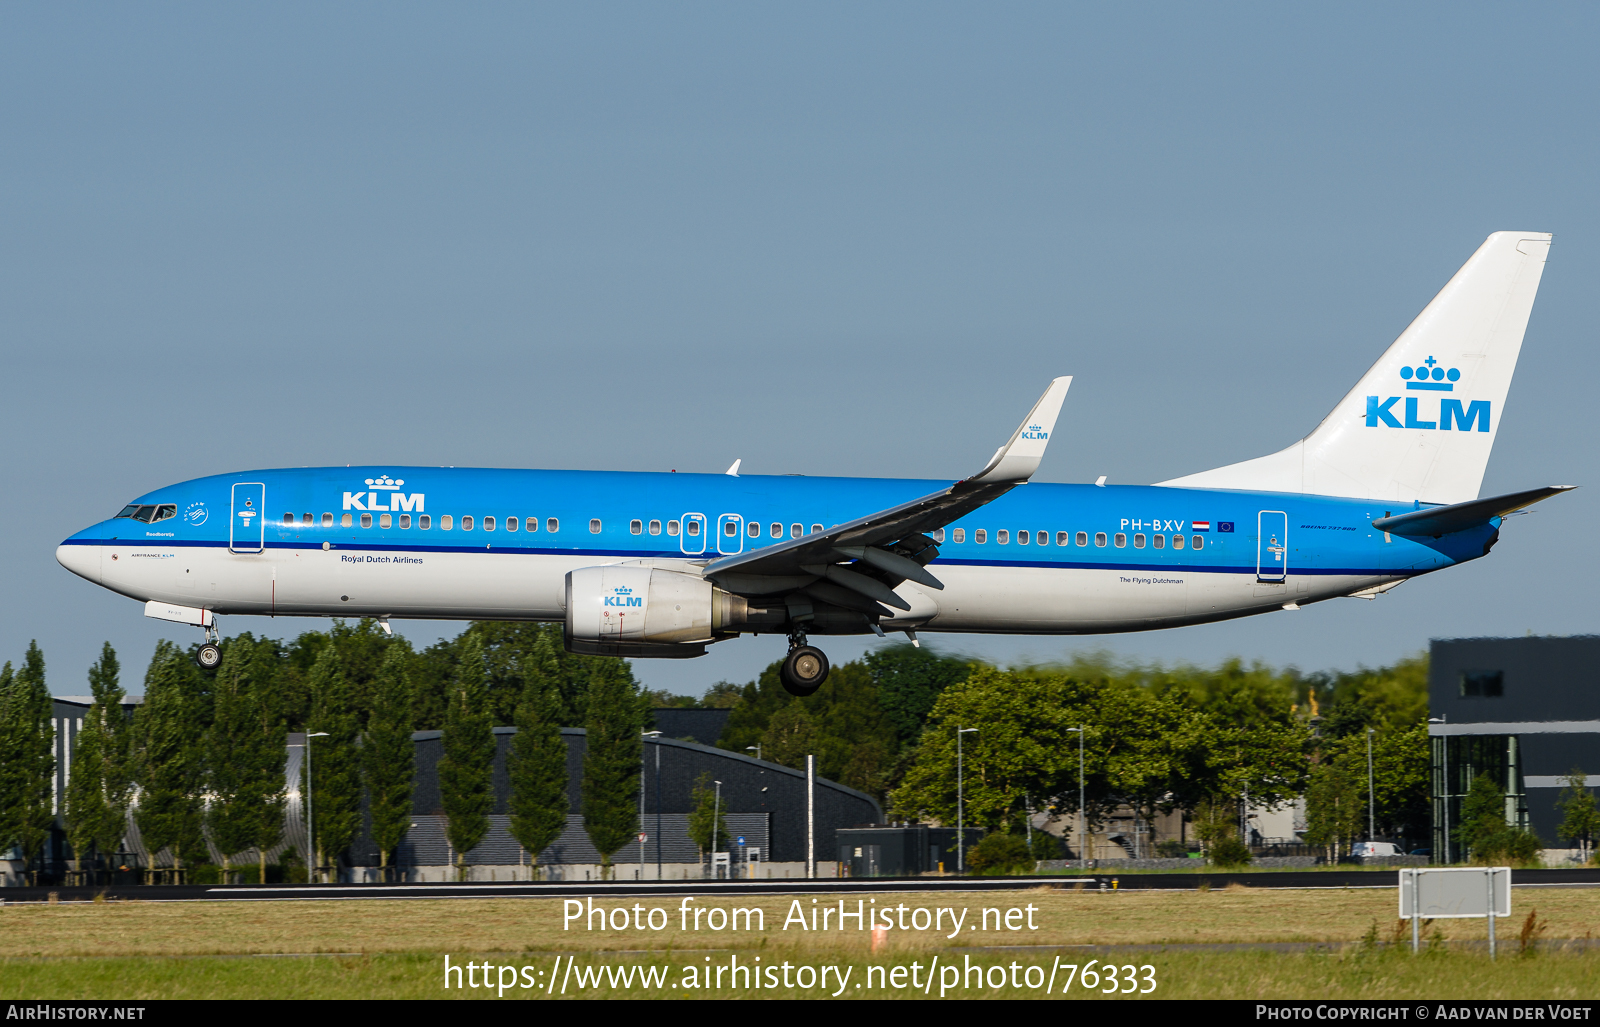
point(1445, 893)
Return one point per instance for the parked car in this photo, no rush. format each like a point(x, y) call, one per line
point(1375, 849)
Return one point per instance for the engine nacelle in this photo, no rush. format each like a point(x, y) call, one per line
point(631, 610)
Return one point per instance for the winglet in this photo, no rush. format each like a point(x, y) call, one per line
point(734, 470)
point(1019, 458)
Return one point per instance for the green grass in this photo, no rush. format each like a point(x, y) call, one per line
point(1179, 974)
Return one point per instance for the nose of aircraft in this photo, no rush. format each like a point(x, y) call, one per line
point(84, 561)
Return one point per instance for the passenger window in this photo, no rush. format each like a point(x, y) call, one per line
point(1138, 540)
point(385, 521)
point(730, 528)
point(636, 527)
point(511, 524)
point(1198, 542)
point(488, 524)
point(693, 528)
point(1100, 539)
point(1043, 538)
point(466, 522)
point(327, 520)
point(1177, 542)
point(288, 518)
point(777, 530)
point(445, 522)
point(345, 521)
point(1022, 538)
point(755, 529)
point(552, 524)
point(980, 536)
point(655, 527)
point(594, 525)
point(405, 521)
point(307, 520)
point(1063, 539)
point(1083, 538)
point(672, 528)
point(816, 529)
point(533, 524)
point(425, 521)
point(366, 520)
point(1002, 536)
point(1159, 541)
point(960, 535)
point(938, 535)
point(797, 531)
point(1121, 540)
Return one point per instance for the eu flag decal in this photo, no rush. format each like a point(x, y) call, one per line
point(1224, 525)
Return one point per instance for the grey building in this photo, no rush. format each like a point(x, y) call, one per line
point(1526, 711)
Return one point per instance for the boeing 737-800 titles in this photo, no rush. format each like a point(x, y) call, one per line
point(663, 565)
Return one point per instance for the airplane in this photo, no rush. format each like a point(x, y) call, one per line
point(1384, 489)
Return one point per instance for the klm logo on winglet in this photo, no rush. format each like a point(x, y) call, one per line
point(1430, 377)
point(623, 597)
point(1033, 431)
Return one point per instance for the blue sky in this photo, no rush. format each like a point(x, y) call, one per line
point(842, 239)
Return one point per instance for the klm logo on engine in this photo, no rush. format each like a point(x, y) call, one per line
point(1034, 431)
point(385, 496)
point(623, 597)
point(1453, 414)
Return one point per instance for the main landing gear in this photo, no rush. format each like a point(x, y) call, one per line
point(209, 655)
point(804, 669)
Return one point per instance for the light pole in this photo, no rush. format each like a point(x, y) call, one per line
point(311, 844)
point(1371, 812)
point(756, 747)
point(716, 814)
point(1083, 823)
point(651, 735)
point(961, 803)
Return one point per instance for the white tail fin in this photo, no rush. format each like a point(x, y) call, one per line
point(1421, 422)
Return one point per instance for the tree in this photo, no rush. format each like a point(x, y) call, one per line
point(467, 767)
point(538, 758)
point(1335, 807)
point(98, 789)
point(264, 791)
point(1483, 815)
point(708, 825)
point(169, 734)
point(909, 680)
point(388, 755)
point(335, 779)
point(999, 853)
point(27, 734)
point(790, 737)
point(229, 755)
point(1580, 817)
point(611, 763)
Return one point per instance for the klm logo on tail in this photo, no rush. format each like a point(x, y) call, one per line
point(1429, 377)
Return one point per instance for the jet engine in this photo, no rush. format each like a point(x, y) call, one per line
point(634, 610)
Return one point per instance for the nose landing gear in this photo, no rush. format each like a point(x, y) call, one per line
point(804, 669)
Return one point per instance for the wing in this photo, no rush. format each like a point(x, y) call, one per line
point(891, 545)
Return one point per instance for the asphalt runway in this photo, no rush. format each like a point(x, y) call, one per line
point(1098, 882)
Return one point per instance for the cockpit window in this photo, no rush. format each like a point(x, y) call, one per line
point(149, 514)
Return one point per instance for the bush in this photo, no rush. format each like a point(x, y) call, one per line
point(1000, 854)
point(1047, 846)
point(1173, 849)
point(1230, 852)
point(1511, 847)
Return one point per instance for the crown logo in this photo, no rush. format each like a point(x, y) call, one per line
point(623, 591)
point(1430, 377)
point(386, 482)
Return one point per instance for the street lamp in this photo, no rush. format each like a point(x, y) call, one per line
point(650, 735)
point(756, 747)
point(1083, 824)
point(311, 844)
point(961, 809)
point(1371, 813)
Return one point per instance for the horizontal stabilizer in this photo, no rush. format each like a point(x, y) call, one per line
point(1445, 520)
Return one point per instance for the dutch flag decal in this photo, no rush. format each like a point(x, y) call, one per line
point(1200, 525)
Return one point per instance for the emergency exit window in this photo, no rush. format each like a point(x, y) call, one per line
point(693, 528)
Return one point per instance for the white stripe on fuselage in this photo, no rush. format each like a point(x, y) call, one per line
point(518, 586)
